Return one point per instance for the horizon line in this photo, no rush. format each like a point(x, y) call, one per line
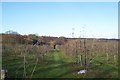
point(65, 36)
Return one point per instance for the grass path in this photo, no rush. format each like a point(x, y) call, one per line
point(55, 65)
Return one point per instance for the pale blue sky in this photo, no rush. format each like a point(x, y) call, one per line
point(100, 19)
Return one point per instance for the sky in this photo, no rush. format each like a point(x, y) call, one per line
point(85, 19)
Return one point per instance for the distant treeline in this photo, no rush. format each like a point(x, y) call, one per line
point(33, 39)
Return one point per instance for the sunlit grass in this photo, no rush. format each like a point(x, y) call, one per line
point(57, 65)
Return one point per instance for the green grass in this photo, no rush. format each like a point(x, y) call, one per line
point(56, 65)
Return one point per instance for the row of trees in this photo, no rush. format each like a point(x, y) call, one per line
point(20, 46)
point(85, 50)
point(26, 53)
